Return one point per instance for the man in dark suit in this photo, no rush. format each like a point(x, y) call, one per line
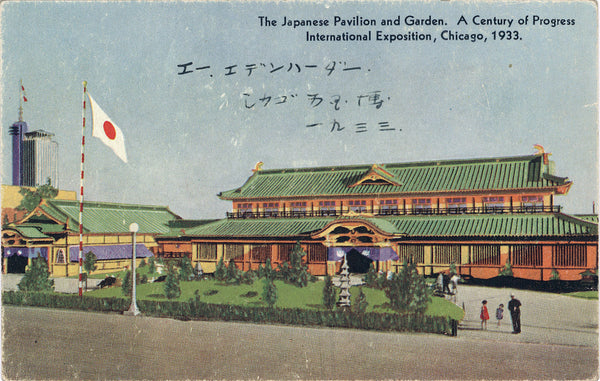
point(514, 306)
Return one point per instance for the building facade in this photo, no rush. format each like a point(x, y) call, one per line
point(51, 231)
point(477, 214)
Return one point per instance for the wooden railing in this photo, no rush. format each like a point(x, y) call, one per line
point(402, 212)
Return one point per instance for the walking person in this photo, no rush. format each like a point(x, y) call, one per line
point(500, 313)
point(514, 306)
point(484, 315)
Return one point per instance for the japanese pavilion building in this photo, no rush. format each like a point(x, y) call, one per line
point(478, 214)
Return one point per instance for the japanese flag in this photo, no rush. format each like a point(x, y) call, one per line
point(104, 129)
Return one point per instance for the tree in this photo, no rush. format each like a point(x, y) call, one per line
point(269, 294)
point(506, 270)
point(233, 274)
point(267, 270)
point(329, 295)
point(89, 263)
point(221, 271)
point(186, 271)
point(370, 277)
point(126, 286)
point(151, 266)
point(419, 291)
point(171, 287)
point(31, 199)
point(143, 263)
point(407, 290)
point(361, 304)
point(295, 271)
point(37, 277)
point(453, 269)
point(248, 277)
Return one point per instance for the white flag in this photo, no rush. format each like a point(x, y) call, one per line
point(104, 129)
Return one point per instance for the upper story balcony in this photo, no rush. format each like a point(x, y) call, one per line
point(399, 211)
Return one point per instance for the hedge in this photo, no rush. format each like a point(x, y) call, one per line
point(195, 309)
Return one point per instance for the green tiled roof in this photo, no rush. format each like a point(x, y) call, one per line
point(266, 227)
point(522, 172)
point(515, 225)
point(29, 232)
point(588, 217)
point(482, 225)
point(104, 217)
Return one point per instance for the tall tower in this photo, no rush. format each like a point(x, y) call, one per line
point(35, 155)
point(18, 130)
point(40, 159)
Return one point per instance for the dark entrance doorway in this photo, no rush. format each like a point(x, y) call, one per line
point(16, 264)
point(358, 263)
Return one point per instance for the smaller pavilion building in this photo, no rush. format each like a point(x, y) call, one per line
point(51, 231)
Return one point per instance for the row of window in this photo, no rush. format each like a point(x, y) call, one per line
point(389, 204)
point(260, 253)
point(519, 255)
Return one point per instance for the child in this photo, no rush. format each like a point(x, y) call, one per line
point(500, 313)
point(484, 315)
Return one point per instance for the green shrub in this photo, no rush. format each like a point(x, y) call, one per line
point(295, 271)
point(151, 266)
point(37, 277)
point(453, 269)
point(407, 290)
point(126, 286)
point(89, 263)
point(329, 295)
point(171, 286)
point(269, 292)
point(186, 271)
point(267, 270)
point(194, 308)
point(370, 278)
point(233, 274)
point(248, 277)
point(221, 271)
point(506, 270)
point(360, 304)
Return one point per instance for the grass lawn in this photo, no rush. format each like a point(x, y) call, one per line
point(288, 296)
point(584, 294)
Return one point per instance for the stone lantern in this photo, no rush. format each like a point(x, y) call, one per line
point(344, 300)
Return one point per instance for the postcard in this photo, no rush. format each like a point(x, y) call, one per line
point(460, 136)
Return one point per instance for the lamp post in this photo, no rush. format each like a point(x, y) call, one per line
point(133, 309)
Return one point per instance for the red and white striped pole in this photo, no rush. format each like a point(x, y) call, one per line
point(81, 192)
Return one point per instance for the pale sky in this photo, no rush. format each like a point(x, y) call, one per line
point(190, 136)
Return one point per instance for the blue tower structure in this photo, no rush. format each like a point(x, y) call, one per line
point(18, 131)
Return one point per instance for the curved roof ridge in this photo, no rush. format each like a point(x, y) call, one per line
point(107, 203)
point(401, 164)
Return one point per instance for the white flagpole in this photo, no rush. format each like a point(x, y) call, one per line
point(81, 192)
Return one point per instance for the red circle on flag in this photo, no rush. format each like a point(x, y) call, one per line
point(109, 130)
